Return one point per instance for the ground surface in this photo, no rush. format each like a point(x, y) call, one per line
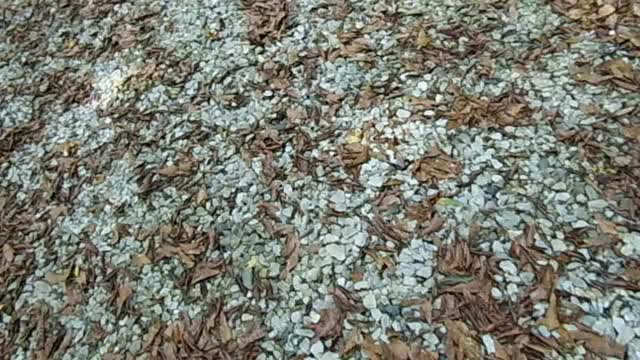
point(309, 179)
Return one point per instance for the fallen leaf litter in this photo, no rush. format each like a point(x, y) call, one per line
point(265, 179)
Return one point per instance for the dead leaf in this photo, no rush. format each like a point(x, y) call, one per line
point(423, 40)
point(436, 166)
point(206, 271)
point(346, 301)
point(223, 329)
point(124, 293)
point(605, 225)
point(399, 350)
point(141, 260)
point(426, 310)
point(329, 326)
point(466, 347)
point(58, 278)
point(546, 284)
point(632, 132)
point(552, 322)
point(373, 350)
point(606, 10)
point(291, 251)
point(354, 154)
point(599, 344)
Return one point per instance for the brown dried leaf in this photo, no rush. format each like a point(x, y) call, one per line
point(124, 293)
point(465, 346)
point(455, 258)
point(599, 344)
point(329, 326)
point(206, 271)
point(354, 154)
point(346, 301)
point(632, 132)
point(436, 166)
point(426, 310)
point(291, 251)
point(606, 10)
point(605, 225)
point(546, 284)
point(174, 171)
point(57, 278)
point(223, 329)
point(141, 260)
point(399, 350)
point(373, 350)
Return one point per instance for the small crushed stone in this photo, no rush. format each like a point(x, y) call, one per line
point(269, 179)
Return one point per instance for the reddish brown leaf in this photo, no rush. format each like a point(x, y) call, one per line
point(329, 326)
point(346, 301)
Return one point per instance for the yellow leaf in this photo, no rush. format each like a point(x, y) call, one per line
point(423, 39)
point(354, 137)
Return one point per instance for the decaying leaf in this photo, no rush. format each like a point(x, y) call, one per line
point(436, 166)
point(225, 332)
point(58, 278)
point(426, 310)
point(599, 344)
point(206, 271)
point(124, 293)
point(354, 154)
point(268, 19)
point(632, 132)
point(399, 350)
point(346, 301)
point(182, 169)
point(291, 251)
point(606, 226)
point(461, 344)
point(329, 326)
point(455, 258)
point(509, 109)
point(141, 260)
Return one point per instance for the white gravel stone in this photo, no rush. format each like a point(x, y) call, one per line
point(369, 301)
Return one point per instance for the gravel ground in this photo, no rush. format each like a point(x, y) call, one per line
point(309, 179)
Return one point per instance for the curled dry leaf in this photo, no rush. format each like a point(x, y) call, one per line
point(183, 168)
point(346, 301)
point(436, 166)
point(461, 344)
point(291, 251)
point(206, 271)
point(353, 155)
point(124, 293)
point(455, 258)
point(599, 344)
point(632, 132)
point(268, 19)
point(329, 326)
point(398, 350)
